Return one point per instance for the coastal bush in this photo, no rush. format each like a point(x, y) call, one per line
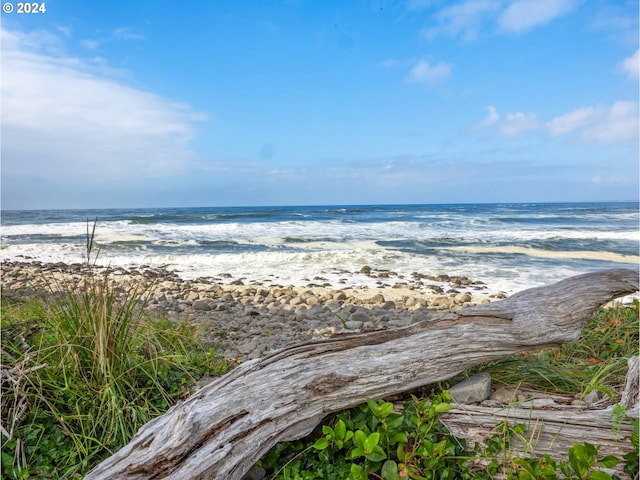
point(84, 368)
point(373, 441)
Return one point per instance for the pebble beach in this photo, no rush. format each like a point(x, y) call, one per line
point(248, 320)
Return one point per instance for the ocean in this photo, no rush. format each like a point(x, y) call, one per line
point(510, 247)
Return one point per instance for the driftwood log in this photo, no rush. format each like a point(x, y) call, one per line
point(225, 427)
point(551, 424)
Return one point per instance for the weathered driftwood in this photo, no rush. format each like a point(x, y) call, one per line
point(551, 427)
point(225, 427)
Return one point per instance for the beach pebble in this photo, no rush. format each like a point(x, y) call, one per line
point(248, 321)
point(474, 389)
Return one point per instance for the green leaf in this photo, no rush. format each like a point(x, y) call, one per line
point(526, 467)
point(373, 406)
point(390, 470)
point(371, 442)
point(443, 407)
point(356, 453)
point(386, 409)
point(398, 437)
point(599, 475)
point(321, 443)
point(357, 472)
point(376, 455)
point(359, 439)
point(402, 455)
point(609, 461)
point(340, 430)
point(327, 430)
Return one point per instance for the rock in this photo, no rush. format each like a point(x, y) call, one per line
point(296, 301)
point(379, 298)
point(593, 396)
point(366, 269)
point(354, 324)
point(256, 473)
point(463, 298)
point(201, 306)
point(389, 305)
point(504, 396)
point(472, 390)
point(339, 296)
point(247, 347)
point(359, 316)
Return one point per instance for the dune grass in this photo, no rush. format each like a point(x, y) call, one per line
point(84, 368)
point(597, 361)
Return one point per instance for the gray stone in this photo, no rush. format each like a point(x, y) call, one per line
point(378, 298)
point(201, 306)
point(504, 396)
point(256, 473)
point(389, 305)
point(359, 316)
point(592, 397)
point(247, 347)
point(472, 390)
point(354, 324)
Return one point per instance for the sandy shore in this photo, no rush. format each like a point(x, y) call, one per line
point(249, 320)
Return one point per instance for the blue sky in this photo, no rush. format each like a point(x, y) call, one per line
point(207, 103)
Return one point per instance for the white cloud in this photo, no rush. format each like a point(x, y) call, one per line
point(464, 19)
point(525, 14)
point(127, 33)
point(516, 124)
point(631, 65)
point(468, 18)
point(491, 119)
point(63, 117)
point(90, 44)
point(428, 74)
point(573, 120)
point(620, 123)
point(598, 124)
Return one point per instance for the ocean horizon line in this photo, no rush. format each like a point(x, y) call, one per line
point(326, 205)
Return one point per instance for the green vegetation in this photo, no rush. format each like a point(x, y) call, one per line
point(598, 361)
point(373, 441)
point(83, 369)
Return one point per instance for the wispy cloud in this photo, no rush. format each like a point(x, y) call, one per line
point(467, 19)
point(464, 19)
point(427, 74)
point(491, 119)
point(128, 33)
point(599, 124)
point(516, 124)
point(631, 66)
point(574, 120)
point(63, 117)
point(523, 15)
point(619, 123)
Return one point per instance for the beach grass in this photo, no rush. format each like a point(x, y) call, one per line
point(83, 368)
point(597, 361)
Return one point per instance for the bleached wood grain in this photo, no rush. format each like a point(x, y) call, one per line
point(225, 427)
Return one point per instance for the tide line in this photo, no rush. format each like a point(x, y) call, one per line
point(536, 252)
